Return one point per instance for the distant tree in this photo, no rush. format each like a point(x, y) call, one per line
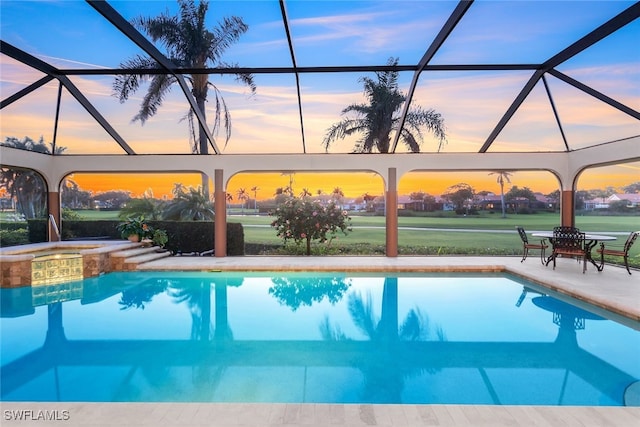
point(521, 193)
point(554, 198)
point(631, 188)
point(72, 196)
point(255, 189)
point(430, 202)
point(147, 207)
point(378, 118)
point(368, 201)
point(503, 175)
point(112, 199)
point(602, 194)
point(580, 196)
point(242, 196)
point(337, 195)
point(418, 196)
point(619, 206)
point(459, 195)
point(515, 194)
point(305, 192)
point(25, 186)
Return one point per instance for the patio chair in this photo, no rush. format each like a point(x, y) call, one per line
point(617, 251)
point(568, 241)
point(542, 246)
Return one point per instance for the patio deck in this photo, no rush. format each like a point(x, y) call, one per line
point(612, 288)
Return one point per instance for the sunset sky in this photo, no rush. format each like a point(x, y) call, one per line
point(357, 184)
point(333, 33)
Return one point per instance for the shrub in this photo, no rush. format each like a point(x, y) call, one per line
point(303, 219)
point(136, 226)
point(14, 237)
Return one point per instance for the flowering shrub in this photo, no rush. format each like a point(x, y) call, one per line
point(303, 219)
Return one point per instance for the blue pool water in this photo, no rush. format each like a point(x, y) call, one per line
point(310, 337)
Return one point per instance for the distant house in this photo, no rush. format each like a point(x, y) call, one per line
point(492, 202)
point(421, 206)
point(633, 200)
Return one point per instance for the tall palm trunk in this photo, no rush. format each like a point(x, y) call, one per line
point(203, 143)
point(504, 211)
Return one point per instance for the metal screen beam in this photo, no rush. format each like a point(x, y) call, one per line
point(25, 91)
point(446, 29)
point(598, 95)
point(134, 35)
point(611, 26)
point(285, 21)
point(48, 69)
point(528, 87)
point(555, 112)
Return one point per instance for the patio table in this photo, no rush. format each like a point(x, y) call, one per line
point(591, 240)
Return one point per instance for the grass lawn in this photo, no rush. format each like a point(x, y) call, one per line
point(438, 235)
point(93, 214)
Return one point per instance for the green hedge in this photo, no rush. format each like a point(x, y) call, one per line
point(184, 236)
point(37, 230)
point(14, 237)
point(10, 226)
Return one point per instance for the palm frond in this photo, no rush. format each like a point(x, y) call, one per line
point(410, 140)
point(160, 85)
point(225, 34)
point(245, 78)
point(343, 128)
point(126, 84)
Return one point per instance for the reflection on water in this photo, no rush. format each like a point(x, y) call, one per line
point(312, 338)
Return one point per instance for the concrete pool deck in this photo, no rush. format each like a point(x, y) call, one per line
point(612, 288)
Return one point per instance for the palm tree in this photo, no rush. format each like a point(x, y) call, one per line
point(255, 197)
point(190, 205)
point(377, 119)
point(503, 176)
point(337, 195)
point(148, 206)
point(242, 196)
point(368, 200)
point(189, 44)
point(305, 193)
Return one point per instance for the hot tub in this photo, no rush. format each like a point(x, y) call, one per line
point(55, 262)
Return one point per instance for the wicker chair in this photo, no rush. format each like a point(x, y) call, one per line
point(542, 246)
point(623, 252)
point(568, 241)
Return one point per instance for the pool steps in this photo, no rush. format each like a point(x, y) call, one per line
point(128, 260)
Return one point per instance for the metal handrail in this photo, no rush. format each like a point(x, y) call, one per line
point(52, 222)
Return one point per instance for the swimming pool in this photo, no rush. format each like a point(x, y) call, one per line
point(313, 337)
